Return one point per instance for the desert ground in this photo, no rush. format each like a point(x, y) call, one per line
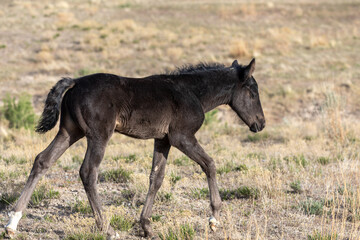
point(297, 179)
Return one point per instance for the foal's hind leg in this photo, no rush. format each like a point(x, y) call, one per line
point(43, 161)
point(190, 146)
point(161, 150)
point(89, 174)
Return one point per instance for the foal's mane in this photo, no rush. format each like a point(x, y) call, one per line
point(198, 68)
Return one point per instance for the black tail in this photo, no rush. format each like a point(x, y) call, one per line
point(51, 111)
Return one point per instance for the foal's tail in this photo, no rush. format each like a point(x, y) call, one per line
point(51, 111)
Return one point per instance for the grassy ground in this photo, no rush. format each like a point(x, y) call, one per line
point(298, 179)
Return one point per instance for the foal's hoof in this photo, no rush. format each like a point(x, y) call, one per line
point(213, 223)
point(10, 232)
point(112, 234)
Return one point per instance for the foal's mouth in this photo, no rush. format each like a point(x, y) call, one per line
point(255, 127)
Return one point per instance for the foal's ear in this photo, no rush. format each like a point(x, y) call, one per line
point(235, 63)
point(249, 69)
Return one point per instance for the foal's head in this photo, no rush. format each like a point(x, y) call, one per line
point(245, 100)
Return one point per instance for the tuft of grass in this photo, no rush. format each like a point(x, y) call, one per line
point(300, 160)
point(14, 160)
point(81, 207)
point(258, 137)
point(228, 167)
point(174, 178)
point(312, 207)
point(156, 218)
point(182, 232)
point(210, 117)
point(19, 113)
point(119, 175)
point(241, 168)
point(130, 158)
point(199, 193)
point(85, 235)
point(164, 196)
point(42, 193)
point(8, 198)
point(182, 161)
point(296, 186)
point(323, 160)
point(2, 46)
point(241, 192)
point(319, 236)
point(121, 223)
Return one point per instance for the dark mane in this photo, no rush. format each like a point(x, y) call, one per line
point(201, 67)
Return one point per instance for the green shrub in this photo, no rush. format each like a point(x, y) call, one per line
point(312, 207)
point(174, 178)
point(182, 161)
point(87, 236)
point(241, 192)
point(210, 117)
point(164, 196)
point(8, 198)
point(257, 137)
point(156, 218)
point(319, 236)
point(121, 223)
point(119, 175)
point(81, 207)
point(296, 187)
point(323, 160)
point(20, 114)
point(183, 232)
point(199, 193)
point(42, 193)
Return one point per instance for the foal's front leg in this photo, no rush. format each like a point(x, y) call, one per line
point(161, 151)
point(190, 146)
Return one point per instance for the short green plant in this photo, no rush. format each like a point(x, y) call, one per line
point(42, 193)
point(240, 168)
point(210, 117)
point(228, 167)
point(85, 235)
point(241, 192)
point(121, 223)
point(119, 175)
point(296, 186)
point(182, 161)
point(19, 113)
point(81, 207)
point(312, 207)
point(182, 232)
point(319, 236)
point(299, 160)
point(323, 160)
point(130, 158)
point(156, 218)
point(13, 160)
point(164, 196)
point(8, 198)
point(199, 193)
point(258, 137)
point(174, 178)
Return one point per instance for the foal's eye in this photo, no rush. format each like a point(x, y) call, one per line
point(251, 93)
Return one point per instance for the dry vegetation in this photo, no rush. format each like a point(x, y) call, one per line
point(298, 179)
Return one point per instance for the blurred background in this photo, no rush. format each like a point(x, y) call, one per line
point(308, 72)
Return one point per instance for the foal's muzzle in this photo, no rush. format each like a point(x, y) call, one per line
point(257, 127)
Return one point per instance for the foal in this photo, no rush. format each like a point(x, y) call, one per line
point(169, 108)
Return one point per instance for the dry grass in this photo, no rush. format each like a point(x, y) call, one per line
point(304, 166)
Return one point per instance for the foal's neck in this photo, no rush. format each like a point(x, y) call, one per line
point(217, 88)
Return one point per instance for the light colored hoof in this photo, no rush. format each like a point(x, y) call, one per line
point(10, 232)
point(213, 223)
